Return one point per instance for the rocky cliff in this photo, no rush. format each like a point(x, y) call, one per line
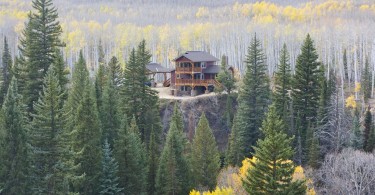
point(191, 109)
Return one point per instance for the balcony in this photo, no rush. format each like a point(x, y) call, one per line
point(188, 69)
point(196, 82)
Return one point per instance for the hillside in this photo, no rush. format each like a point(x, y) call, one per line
point(192, 108)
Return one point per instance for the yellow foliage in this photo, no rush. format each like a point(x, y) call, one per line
point(202, 12)
point(357, 87)
point(218, 191)
point(364, 7)
point(350, 102)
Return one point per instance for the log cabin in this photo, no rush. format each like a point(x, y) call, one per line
point(194, 73)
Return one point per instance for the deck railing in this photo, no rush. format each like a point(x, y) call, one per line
point(195, 81)
point(188, 69)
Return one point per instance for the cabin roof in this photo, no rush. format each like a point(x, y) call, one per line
point(158, 68)
point(198, 56)
point(213, 69)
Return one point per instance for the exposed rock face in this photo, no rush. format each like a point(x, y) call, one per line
point(191, 109)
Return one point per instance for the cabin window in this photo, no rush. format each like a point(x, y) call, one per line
point(203, 64)
point(185, 88)
point(202, 76)
point(178, 76)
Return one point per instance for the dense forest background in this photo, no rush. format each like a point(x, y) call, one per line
point(221, 27)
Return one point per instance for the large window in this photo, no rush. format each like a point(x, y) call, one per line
point(185, 88)
point(203, 64)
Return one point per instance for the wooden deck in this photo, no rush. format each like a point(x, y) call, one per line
point(196, 82)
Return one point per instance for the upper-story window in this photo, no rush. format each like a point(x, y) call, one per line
point(203, 64)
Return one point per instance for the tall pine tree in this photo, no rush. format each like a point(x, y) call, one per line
point(109, 180)
point(80, 81)
point(86, 142)
point(272, 171)
point(38, 44)
point(131, 156)
point(305, 92)
point(46, 127)
point(153, 159)
point(6, 71)
point(368, 133)
point(253, 100)
point(141, 99)
point(283, 85)
point(173, 176)
point(356, 138)
point(110, 112)
point(366, 80)
point(14, 169)
point(205, 157)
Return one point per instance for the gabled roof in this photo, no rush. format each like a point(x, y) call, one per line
point(157, 68)
point(213, 69)
point(198, 56)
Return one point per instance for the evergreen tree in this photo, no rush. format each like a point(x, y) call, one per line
point(153, 159)
point(6, 71)
point(227, 81)
point(173, 176)
point(14, 144)
point(80, 81)
point(115, 72)
point(61, 71)
point(47, 125)
point(109, 179)
point(131, 156)
point(368, 133)
point(253, 99)
point(205, 157)
point(37, 46)
point(225, 78)
point(324, 99)
point(345, 62)
point(283, 85)
point(233, 156)
point(272, 171)
point(142, 100)
point(366, 81)
point(86, 141)
point(356, 139)
point(305, 92)
point(314, 153)
point(110, 112)
point(100, 82)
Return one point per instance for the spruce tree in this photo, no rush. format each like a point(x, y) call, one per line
point(272, 171)
point(366, 81)
point(173, 176)
point(314, 153)
point(368, 133)
point(38, 44)
point(6, 71)
point(283, 83)
point(110, 112)
point(14, 169)
point(233, 156)
point(205, 157)
point(86, 142)
point(115, 72)
point(225, 78)
point(46, 127)
point(153, 159)
point(142, 100)
point(305, 94)
point(109, 181)
point(100, 82)
point(80, 81)
point(61, 71)
point(227, 81)
point(253, 99)
point(131, 156)
point(356, 139)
